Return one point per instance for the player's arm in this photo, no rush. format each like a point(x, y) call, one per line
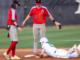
point(14, 21)
point(58, 25)
point(42, 54)
point(49, 15)
point(28, 16)
point(51, 18)
point(20, 30)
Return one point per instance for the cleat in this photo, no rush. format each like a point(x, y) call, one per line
point(15, 58)
point(76, 49)
point(79, 48)
point(7, 56)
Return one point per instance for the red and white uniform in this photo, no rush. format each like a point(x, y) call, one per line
point(12, 16)
point(39, 14)
point(12, 30)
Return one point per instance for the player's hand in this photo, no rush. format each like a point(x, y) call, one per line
point(20, 30)
point(37, 57)
point(23, 23)
point(58, 25)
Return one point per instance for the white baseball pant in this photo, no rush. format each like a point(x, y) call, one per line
point(13, 33)
point(38, 29)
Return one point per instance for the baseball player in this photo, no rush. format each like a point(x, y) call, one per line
point(39, 13)
point(12, 29)
point(51, 50)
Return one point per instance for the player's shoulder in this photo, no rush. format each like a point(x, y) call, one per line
point(44, 7)
point(33, 7)
point(45, 44)
point(11, 9)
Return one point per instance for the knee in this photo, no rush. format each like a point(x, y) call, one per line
point(35, 39)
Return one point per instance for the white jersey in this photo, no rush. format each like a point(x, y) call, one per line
point(58, 53)
point(49, 49)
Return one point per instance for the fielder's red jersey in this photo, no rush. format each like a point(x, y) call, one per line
point(12, 16)
point(39, 14)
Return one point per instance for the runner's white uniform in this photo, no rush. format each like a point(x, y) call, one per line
point(58, 53)
point(49, 49)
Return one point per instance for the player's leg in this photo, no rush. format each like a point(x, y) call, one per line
point(74, 54)
point(42, 30)
point(79, 48)
point(14, 39)
point(74, 48)
point(61, 53)
point(36, 35)
point(13, 51)
point(68, 54)
point(11, 47)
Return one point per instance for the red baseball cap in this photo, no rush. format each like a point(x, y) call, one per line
point(38, 2)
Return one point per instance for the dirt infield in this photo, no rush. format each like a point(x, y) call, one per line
point(22, 52)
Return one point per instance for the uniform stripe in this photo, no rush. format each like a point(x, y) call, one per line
point(33, 7)
point(13, 14)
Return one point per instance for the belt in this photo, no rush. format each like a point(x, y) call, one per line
point(55, 51)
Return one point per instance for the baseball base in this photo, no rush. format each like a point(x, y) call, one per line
point(29, 56)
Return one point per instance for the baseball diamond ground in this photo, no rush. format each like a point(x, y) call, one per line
point(22, 52)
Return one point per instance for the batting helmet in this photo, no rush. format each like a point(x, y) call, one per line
point(43, 40)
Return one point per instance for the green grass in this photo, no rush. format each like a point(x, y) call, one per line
point(66, 37)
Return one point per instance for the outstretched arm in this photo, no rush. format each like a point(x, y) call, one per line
point(25, 20)
point(42, 54)
point(58, 25)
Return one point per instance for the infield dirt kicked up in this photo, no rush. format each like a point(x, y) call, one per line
point(29, 51)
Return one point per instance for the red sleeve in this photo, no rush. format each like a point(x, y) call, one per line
point(47, 12)
point(31, 12)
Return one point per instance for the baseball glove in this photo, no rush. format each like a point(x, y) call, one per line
point(58, 25)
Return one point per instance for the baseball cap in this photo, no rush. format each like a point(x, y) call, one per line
point(38, 2)
point(43, 40)
point(16, 2)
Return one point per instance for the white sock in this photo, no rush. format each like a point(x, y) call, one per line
point(74, 55)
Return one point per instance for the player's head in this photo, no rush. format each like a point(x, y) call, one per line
point(15, 4)
point(38, 2)
point(43, 40)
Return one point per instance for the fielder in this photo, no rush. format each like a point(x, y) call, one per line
point(12, 29)
point(52, 51)
point(39, 13)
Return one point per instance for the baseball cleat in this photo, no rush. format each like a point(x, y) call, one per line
point(36, 54)
point(76, 49)
point(79, 48)
point(7, 56)
point(15, 58)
